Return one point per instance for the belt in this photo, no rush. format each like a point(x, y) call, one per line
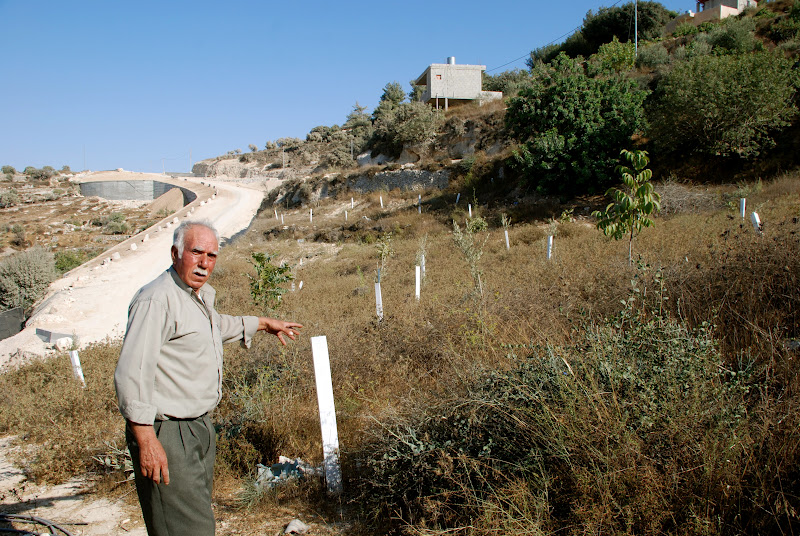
point(168, 418)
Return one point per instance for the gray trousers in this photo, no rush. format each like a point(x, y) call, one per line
point(182, 507)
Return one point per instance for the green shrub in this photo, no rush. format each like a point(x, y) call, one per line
point(724, 105)
point(571, 127)
point(610, 432)
point(685, 28)
point(25, 276)
point(785, 30)
point(9, 198)
point(616, 56)
point(67, 260)
point(735, 36)
point(652, 56)
point(509, 82)
point(265, 287)
point(8, 170)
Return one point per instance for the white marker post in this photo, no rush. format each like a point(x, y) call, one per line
point(345, 215)
point(458, 196)
point(76, 366)
point(351, 203)
point(381, 201)
point(419, 203)
point(470, 209)
point(281, 219)
point(756, 222)
point(422, 264)
point(549, 247)
point(327, 414)
point(311, 215)
point(508, 246)
point(276, 213)
point(418, 278)
point(300, 286)
point(378, 301)
point(742, 205)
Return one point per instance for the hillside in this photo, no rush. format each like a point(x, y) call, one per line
point(541, 381)
point(735, 75)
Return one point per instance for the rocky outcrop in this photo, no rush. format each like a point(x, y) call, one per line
point(404, 179)
point(234, 168)
point(301, 192)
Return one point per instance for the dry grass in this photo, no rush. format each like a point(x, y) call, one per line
point(714, 269)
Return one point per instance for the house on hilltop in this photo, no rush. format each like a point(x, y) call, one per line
point(448, 84)
point(708, 11)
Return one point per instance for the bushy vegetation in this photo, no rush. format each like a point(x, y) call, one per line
point(724, 105)
point(572, 127)
point(605, 25)
point(25, 276)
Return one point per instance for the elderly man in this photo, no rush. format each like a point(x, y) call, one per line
point(169, 377)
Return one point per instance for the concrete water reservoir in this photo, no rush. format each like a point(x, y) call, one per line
point(139, 190)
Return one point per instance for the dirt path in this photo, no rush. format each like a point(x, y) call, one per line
point(67, 505)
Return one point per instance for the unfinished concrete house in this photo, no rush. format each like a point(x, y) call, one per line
point(448, 84)
point(708, 11)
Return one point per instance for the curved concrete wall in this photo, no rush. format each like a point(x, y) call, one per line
point(133, 190)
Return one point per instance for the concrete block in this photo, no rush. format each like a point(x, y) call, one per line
point(134, 247)
point(116, 256)
point(50, 337)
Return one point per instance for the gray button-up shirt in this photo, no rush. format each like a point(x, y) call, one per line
point(171, 359)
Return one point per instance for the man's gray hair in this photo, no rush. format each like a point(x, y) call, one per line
point(179, 237)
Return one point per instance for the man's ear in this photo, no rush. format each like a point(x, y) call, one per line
point(174, 254)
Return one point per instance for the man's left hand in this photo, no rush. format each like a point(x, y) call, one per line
point(279, 328)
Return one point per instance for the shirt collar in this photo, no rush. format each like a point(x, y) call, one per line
point(206, 292)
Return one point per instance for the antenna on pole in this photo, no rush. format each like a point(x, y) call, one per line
point(636, 28)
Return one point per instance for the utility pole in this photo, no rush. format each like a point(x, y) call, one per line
point(636, 29)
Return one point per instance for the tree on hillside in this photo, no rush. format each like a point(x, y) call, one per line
point(509, 82)
point(633, 204)
point(408, 123)
point(359, 125)
point(724, 105)
point(393, 94)
point(601, 27)
point(571, 127)
point(608, 22)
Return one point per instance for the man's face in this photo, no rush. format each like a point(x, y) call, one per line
point(199, 256)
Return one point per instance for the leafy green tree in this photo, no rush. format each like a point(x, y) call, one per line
point(601, 27)
point(408, 123)
point(630, 211)
point(265, 286)
point(616, 56)
point(571, 127)
point(359, 127)
point(509, 82)
point(393, 93)
point(9, 170)
point(609, 22)
point(733, 36)
point(724, 105)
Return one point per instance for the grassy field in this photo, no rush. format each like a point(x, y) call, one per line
point(573, 395)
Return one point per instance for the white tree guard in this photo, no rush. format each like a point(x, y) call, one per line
point(327, 414)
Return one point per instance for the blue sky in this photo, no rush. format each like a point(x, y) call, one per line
point(138, 85)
